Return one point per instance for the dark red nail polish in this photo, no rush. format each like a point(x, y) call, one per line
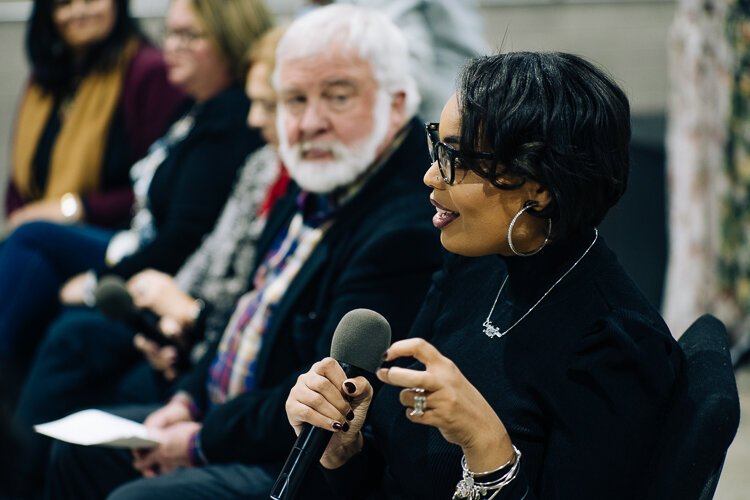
point(345, 427)
point(337, 426)
point(350, 415)
point(350, 387)
point(385, 355)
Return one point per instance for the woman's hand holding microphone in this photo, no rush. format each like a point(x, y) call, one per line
point(326, 398)
point(439, 396)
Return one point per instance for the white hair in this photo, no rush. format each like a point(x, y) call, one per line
point(362, 31)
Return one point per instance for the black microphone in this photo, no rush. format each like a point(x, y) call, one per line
point(360, 339)
point(113, 299)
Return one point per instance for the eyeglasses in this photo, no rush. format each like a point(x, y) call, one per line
point(184, 38)
point(67, 3)
point(446, 155)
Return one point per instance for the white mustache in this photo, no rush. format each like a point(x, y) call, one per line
point(334, 148)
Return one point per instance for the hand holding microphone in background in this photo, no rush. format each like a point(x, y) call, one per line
point(159, 293)
point(162, 314)
point(178, 313)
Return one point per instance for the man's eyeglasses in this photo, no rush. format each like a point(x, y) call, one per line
point(446, 155)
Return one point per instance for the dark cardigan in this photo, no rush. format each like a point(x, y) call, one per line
point(191, 186)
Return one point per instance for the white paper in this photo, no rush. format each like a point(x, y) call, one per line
point(98, 428)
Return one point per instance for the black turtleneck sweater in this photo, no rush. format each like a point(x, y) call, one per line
point(582, 383)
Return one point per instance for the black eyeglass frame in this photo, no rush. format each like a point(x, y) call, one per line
point(436, 146)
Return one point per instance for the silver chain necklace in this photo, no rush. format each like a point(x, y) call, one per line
point(492, 331)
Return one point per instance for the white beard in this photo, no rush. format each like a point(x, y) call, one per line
point(348, 163)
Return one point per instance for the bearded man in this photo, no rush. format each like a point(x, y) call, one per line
point(355, 232)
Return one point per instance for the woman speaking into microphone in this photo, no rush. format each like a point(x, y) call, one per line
point(537, 369)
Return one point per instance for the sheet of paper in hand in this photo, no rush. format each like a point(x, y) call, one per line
point(98, 428)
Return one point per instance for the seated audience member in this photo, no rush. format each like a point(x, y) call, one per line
point(354, 233)
point(219, 272)
point(180, 186)
point(537, 369)
point(88, 360)
point(98, 96)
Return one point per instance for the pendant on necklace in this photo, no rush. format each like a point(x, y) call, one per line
point(491, 330)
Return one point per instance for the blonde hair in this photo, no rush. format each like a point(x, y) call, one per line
point(234, 26)
point(264, 50)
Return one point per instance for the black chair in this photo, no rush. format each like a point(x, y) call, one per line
point(702, 423)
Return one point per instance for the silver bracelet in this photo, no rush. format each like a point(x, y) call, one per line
point(468, 488)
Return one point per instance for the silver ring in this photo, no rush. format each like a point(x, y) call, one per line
point(420, 403)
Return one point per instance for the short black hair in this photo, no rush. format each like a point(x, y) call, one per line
point(554, 118)
point(51, 61)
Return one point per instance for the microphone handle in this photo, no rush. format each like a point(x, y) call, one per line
point(307, 450)
point(147, 324)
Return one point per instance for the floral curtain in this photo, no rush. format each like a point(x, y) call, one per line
point(700, 69)
point(734, 257)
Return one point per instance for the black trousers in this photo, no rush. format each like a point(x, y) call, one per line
point(81, 473)
point(85, 361)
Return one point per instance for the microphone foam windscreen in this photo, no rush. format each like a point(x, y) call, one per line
point(112, 297)
point(361, 338)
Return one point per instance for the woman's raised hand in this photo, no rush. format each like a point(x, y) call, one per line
point(326, 398)
point(445, 399)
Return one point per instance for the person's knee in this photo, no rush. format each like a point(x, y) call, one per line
point(140, 489)
point(30, 234)
point(69, 336)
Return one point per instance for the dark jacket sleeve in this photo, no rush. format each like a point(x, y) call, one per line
point(380, 276)
point(196, 200)
point(194, 381)
point(148, 103)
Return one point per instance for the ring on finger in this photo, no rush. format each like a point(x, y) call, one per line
point(420, 402)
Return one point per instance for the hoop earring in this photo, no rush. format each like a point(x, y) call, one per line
point(525, 207)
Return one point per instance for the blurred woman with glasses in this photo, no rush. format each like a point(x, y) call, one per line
point(97, 98)
point(537, 369)
point(180, 186)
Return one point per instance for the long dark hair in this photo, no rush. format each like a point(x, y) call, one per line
point(554, 118)
point(51, 61)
